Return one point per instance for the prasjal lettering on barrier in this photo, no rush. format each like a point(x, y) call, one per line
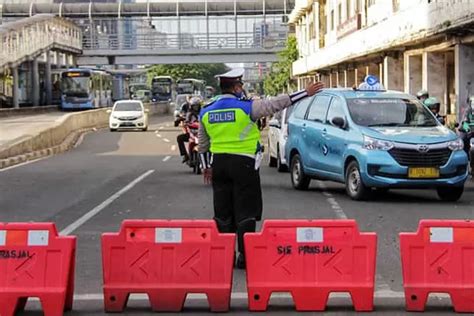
point(15, 254)
point(306, 250)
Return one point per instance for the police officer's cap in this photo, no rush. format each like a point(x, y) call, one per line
point(232, 76)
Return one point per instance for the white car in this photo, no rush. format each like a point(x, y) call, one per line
point(277, 136)
point(128, 114)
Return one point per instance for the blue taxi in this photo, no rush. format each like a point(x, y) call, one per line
point(373, 139)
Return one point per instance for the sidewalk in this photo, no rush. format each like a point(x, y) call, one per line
point(16, 128)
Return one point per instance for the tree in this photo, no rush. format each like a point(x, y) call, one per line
point(279, 79)
point(204, 72)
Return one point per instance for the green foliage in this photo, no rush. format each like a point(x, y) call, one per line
point(279, 79)
point(204, 72)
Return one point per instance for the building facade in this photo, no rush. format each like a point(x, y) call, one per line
point(409, 44)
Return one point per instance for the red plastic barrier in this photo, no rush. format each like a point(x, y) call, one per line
point(439, 258)
point(310, 259)
point(167, 260)
point(36, 262)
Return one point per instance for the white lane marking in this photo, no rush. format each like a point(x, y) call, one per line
point(156, 132)
point(167, 158)
point(381, 284)
point(78, 223)
point(166, 140)
point(332, 201)
point(158, 135)
point(382, 294)
point(173, 147)
point(24, 163)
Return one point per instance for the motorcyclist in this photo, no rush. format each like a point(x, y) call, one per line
point(468, 120)
point(192, 116)
point(422, 95)
point(434, 105)
point(181, 111)
point(467, 125)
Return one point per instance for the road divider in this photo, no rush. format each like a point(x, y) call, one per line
point(59, 137)
point(439, 258)
point(36, 262)
point(310, 259)
point(167, 259)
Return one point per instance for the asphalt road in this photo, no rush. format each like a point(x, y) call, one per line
point(65, 187)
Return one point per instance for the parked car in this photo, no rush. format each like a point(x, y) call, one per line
point(373, 139)
point(277, 135)
point(128, 114)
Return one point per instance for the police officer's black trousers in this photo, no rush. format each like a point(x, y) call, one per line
point(237, 195)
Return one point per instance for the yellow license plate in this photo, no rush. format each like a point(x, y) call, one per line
point(421, 173)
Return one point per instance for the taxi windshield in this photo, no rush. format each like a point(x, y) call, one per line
point(392, 112)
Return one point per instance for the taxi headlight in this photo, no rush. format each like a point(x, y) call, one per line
point(456, 145)
point(376, 144)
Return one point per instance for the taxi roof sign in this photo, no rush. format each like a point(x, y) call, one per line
point(371, 83)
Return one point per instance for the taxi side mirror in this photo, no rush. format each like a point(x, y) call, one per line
point(339, 122)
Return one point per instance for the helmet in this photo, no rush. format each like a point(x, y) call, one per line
point(422, 94)
point(195, 103)
point(432, 103)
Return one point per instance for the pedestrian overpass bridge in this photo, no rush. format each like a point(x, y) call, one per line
point(36, 37)
point(170, 32)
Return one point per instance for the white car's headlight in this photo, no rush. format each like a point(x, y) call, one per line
point(456, 145)
point(376, 144)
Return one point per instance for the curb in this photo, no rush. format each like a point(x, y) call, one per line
point(69, 143)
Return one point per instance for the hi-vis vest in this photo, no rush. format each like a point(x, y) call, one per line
point(228, 123)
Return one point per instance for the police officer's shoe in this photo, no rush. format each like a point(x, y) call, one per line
point(240, 261)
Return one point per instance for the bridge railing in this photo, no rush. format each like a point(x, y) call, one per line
point(30, 36)
point(175, 41)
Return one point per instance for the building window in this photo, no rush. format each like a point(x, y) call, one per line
point(332, 20)
point(372, 2)
point(339, 11)
point(348, 9)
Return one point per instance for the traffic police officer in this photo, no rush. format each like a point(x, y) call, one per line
point(229, 142)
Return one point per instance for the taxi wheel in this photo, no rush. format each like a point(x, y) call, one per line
point(299, 179)
point(355, 187)
point(450, 194)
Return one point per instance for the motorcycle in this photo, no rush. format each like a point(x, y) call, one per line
point(468, 139)
point(193, 146)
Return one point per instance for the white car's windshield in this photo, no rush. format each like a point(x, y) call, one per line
point(128, 106)
point(394, 112)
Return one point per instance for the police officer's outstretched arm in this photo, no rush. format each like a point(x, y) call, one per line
point(267, 107)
